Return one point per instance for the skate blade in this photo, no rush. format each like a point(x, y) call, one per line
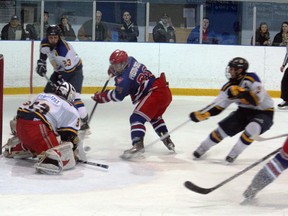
point(135, 156)
point(249, 201)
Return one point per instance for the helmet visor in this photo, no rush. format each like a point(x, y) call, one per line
point(118, 68)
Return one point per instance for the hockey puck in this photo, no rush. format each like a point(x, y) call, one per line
point(87, 148)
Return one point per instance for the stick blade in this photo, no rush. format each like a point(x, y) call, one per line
point(191, 186)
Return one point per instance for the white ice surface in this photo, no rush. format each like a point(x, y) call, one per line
point(147, 187)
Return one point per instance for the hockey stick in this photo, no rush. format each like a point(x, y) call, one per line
point(191, 186)
point(50, 82)
point(94, 164)
point(80, 144)
point(260, 139)
point(181, 125)
point(96, 103)
point(168, 134)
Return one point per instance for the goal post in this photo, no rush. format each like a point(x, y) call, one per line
point(1, 99)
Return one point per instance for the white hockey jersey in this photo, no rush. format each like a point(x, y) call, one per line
point(250, 82)
point(54, 111)
point(63, 57)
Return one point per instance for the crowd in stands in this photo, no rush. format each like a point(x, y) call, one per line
point(128, 31)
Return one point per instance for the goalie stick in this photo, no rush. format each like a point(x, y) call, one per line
point(193, 187)
point(78, 161)
point(94, 164)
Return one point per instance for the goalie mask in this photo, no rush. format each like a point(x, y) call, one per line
point(236, 69)
point(118, 61)
point(67, 91)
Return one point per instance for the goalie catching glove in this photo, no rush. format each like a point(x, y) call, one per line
point(41, 67)
point(102, 97)
point(198, 116)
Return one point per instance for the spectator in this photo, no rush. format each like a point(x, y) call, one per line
point(129, 30)
point(37, 26)
point(164, 30)
point(208, 35)
point(13, 30)
point(281, 38)
point(262, 35)
point(67, 30)
point(101, 32)
point(31, 33)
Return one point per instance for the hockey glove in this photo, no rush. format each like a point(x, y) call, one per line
point(60, 80)
point(198, 116)
point(41, 67)
point(101, 97)
point(235, 92)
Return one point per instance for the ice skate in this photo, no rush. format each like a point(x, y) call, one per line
point(135, 152)
point(237, 149)
point(249, 195)
point(169, 144)
point(283, 105)
point(199, 152)
point(230, 159)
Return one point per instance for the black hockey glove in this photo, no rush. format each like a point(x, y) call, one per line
point(41, 67)
point(59, 80)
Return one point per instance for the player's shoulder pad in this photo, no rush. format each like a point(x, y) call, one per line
point(45, 43)
point(62, 48)
point(226, 86)
point(252, 77)
point(131, 59)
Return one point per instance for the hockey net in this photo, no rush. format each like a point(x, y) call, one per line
point(1, 97)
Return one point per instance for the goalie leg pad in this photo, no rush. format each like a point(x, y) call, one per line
point(14, 149)
point(57, 159)
point(13, 126)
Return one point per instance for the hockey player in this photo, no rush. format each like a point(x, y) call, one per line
point(152, 96)
point(67, 66)
point(253, 117)
point(38, 123)
point(268, 173)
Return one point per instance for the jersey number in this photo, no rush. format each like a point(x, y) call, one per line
point(67, 63)
point(42, 108)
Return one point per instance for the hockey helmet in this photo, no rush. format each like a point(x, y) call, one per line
point(118, 60)
point(67, 91)
point(240, 66)
point(238, 63)
point(53, 30)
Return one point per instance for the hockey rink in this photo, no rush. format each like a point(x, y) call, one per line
point(152, 186)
